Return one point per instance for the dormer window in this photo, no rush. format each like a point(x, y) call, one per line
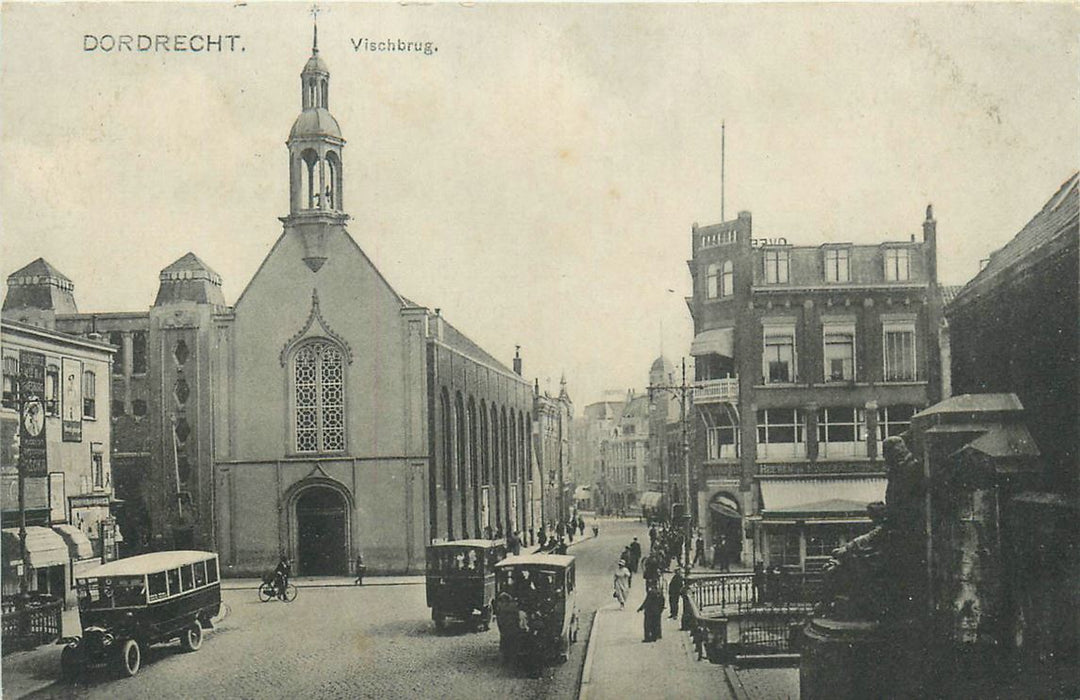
point(776, 266)
point(837, 266)
point(897, 264)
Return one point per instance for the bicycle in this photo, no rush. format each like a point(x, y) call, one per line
point(269, 590)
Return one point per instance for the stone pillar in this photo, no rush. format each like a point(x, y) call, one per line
point(811, 431)
point(871, 430)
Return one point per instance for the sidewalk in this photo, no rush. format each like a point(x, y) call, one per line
point(25, 672)
point(619, 664)
point(763, 683)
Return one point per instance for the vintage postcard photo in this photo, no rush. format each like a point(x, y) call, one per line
point(376, 350)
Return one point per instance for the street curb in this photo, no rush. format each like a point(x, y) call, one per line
point(586, 669)
point(734, 684)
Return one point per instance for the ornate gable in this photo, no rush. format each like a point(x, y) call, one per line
point(315, 327)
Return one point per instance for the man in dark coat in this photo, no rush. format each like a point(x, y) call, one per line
point(653, 605)
point(635, 554)
point(674, 591)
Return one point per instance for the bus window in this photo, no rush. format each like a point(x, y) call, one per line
point(211, 570)
point(174, 581)
point(156, 584)
point(128, 591)
point(186, 578)
point(200, 573)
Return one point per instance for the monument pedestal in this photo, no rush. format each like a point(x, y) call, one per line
point(859, 659)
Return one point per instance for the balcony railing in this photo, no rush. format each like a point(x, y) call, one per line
point(717, 391)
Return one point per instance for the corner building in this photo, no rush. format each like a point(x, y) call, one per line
point(806, 359)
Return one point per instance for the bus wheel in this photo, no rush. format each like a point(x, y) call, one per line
point(192, 637)
point(130, 657)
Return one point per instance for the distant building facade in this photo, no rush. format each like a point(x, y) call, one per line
point(591, 429)
point(806, 358)
point(555, 451)
point(54, 422)
point(624, 456)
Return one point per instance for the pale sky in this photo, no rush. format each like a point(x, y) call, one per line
point(537, 176)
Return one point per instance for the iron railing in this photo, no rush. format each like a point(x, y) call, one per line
point(757, 614)
point(31, 623)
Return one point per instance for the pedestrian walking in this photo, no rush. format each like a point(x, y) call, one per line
point(653, 605)
point(720, 560)
point(360, 568)
point(626, 557)
point(513, 543)
point(652, 538)
point(635, 556)
point(581, 525)
point(542, 537)
point(674, 591)
point(699, 550)
point(651, 570)
point(571, 528)
point(595, 530)
point(621, 583)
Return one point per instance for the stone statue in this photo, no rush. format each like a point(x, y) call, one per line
point(880, 574)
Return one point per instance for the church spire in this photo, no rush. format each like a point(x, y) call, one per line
point(316, 180)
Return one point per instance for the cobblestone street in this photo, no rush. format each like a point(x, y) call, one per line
point(340, 642)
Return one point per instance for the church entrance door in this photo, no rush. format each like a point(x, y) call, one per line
point(321, 528)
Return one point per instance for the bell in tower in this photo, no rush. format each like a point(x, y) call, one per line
point(315, 163)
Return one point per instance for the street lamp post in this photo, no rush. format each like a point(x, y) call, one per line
point(683, 391)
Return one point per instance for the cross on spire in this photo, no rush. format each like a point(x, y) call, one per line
point(315, 10)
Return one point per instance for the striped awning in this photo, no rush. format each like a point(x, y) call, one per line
point(78, 544)
point(718, 341)
point(44, 547)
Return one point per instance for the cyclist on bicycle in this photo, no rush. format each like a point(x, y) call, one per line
point(281, 575)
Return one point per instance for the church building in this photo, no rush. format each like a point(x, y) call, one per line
point(323, 415)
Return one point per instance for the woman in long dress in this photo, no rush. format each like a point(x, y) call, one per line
point(622, 583)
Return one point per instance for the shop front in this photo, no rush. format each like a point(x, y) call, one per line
point(801, 520)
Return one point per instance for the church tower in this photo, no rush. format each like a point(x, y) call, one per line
point(315, 165)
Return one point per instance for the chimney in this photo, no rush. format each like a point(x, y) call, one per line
point(929, 229)
point(437, 331)
point(517, 360)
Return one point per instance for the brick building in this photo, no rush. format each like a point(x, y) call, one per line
point(806, 358)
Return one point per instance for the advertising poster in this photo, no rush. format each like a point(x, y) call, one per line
point(71, 407)
point(32, 457)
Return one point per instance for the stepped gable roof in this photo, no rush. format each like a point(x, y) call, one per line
point(39, 268)
point(1055, 223)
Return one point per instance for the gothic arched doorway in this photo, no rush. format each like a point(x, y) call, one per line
point(322, 527)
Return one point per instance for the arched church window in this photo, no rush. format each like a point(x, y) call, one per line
point(325, 94)
point(312, 93)
point(319, 397)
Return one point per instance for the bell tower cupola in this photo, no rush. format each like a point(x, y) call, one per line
point(315, 147)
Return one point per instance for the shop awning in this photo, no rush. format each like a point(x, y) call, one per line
point(819, 497)
point(44, 547)
point(651, 499)
point(718, 341)
point(78, 544)
point(724, 510)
